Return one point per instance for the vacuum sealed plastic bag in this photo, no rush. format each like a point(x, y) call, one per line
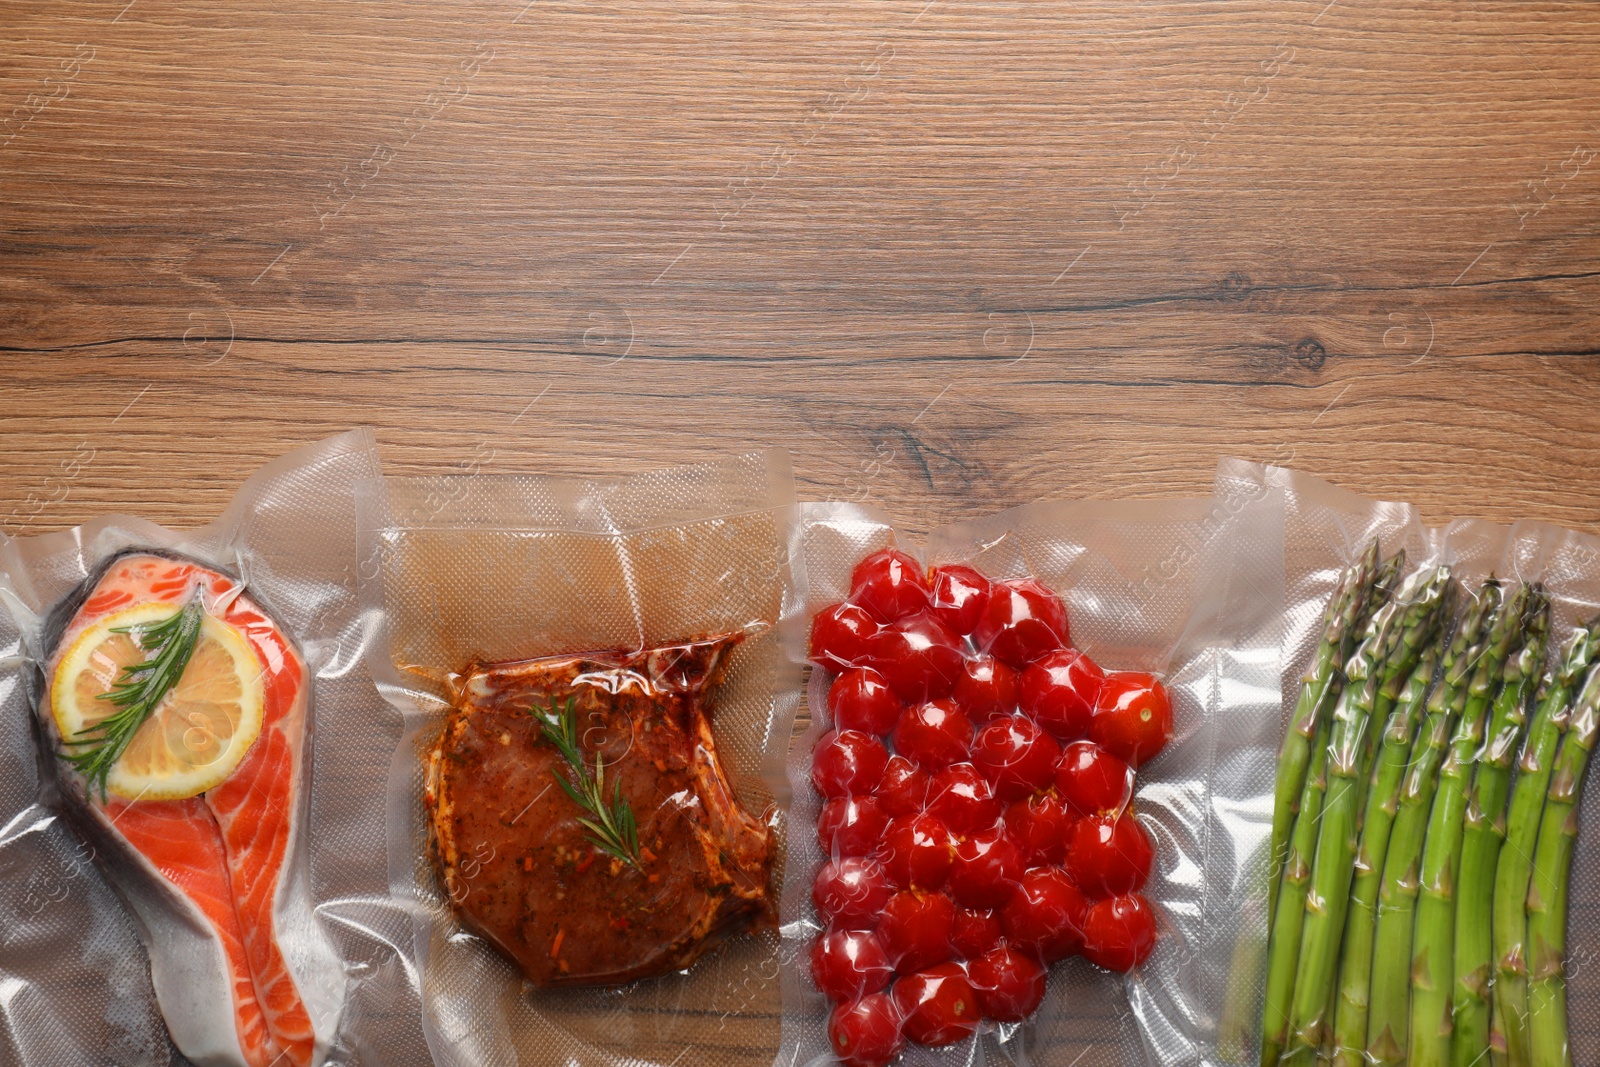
point(1420, 913)
point(188, 689)
point(1188, 591)
point(586, 807)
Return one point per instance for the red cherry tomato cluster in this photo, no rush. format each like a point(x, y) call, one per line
point(977, 783)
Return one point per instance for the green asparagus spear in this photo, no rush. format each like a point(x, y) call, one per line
point(1413, 617)
point(1408, 644)
point(1390, 1000)
point(1383, 798)
point(1547, 893)
point(1433, 941)
point(1318, 691)
point(1236, 1025)
point(1283, 941)
point(1508, 1037)
point(1482, 835)
point(1325, 1050)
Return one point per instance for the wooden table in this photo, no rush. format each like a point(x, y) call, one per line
point(955, 257)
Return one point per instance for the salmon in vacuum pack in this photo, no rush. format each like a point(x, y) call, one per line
point(175, 678)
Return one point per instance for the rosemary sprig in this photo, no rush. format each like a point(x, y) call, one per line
point(612, 828)
point(138, 691)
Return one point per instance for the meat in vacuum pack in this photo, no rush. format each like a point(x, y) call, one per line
point(581, 817)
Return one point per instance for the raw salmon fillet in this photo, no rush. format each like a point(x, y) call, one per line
point(210, 879)
point(520, 868)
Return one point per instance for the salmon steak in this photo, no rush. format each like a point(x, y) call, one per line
point(581, 819)
point(176, 709)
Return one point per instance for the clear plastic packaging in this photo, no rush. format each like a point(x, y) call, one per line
point(506, 596)
point(1326, 528)
point(1189, 590)
point(82, 986)
point(407, 584)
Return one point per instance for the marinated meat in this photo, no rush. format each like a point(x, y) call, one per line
point(522, 870)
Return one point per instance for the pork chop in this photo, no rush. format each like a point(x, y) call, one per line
point(522, 871)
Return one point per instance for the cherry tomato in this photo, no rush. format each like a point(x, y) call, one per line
point(933, 735)
point(959, 597)
point(963, 800)
point(867, 1032)
point(848, 763)
point(904, 790)
point(851, 892)
point(840, 636)
point(1059, 691)
point(851, 826)
point(916, 928)
point(1109, 855)
point(987, 869)
point(1009, 984)
point(889, 585)
point(1045, 916)
point(847, 964)
point(918, 657)
point(917, 850)
point(986, 688)
point(861, 700)
point(1023, 620)
point(1015, 756)
point(1119, 932)
point(1040, 826)
point(975, 932)
point(938, 1005)
point(1092, 780)
point(1132, 717)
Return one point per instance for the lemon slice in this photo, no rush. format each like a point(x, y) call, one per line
point(199, 732)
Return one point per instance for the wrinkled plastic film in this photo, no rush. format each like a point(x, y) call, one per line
point(290, 535)
point(1189, 590)
point(79, 979)
point(473, 569)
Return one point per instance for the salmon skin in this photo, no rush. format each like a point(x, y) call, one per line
point(241, 969)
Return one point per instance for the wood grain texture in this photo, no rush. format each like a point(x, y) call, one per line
point(1023, 252)
point(955, 257)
